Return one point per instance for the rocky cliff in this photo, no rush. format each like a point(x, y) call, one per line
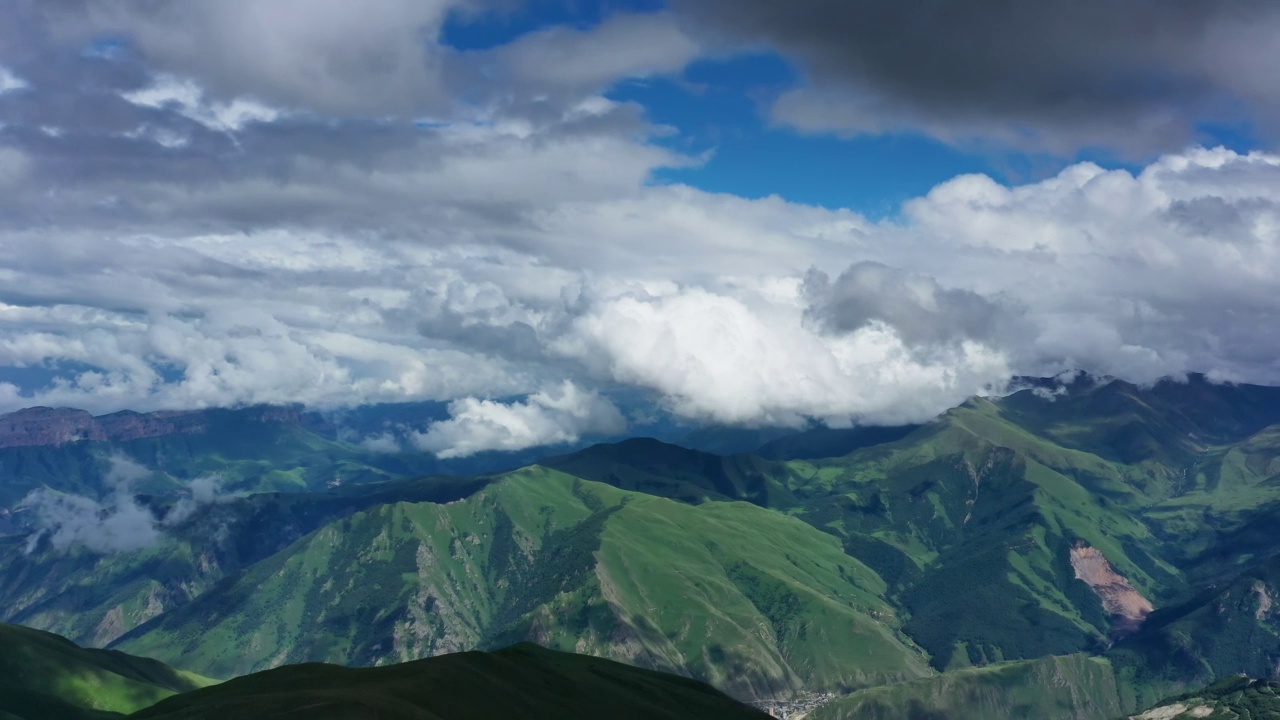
point(42, 426)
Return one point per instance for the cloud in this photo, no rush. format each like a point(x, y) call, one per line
point(700, 298)
point(1135, 76)
point(560, 415)
point(202, 491)
point(117, 523)
point(13, 167)
point(327, 55)
point(588, 61)
point(386, 443)
point(10, 82)
point(715, 357)
point(192, 216)
point(188, 98)
point(915, 306)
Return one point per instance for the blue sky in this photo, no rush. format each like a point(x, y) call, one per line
point(720, 106)
point(532, 212)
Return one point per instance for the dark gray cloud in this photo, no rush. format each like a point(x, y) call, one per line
point(180, 230)
point(1133, 75)
point(917, 307)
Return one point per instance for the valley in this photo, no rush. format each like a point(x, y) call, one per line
point(1082, 554)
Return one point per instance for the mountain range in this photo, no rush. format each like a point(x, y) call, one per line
point(47, 677)
point(1080, 548)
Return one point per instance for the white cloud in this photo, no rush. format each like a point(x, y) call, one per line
point(328, 55)
point(10, 82)
point(205, 242)
point(590, 60)
point(187, 97)
point(559, 415)
point(693, 295)
point(384, 443)
point(117, 523)
point(715, 357)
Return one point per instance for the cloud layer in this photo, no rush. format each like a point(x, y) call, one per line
point(189, 217)
point(1136, 76)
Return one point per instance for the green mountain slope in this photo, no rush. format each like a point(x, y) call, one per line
point(524, 681)
point(1233, 698)
point(1074, 687)
point(657, 468)
point(1216, 632)
point(93, 598)
point(976, 510)
point(754, 602)
point(1130, 523)
point(45, 676)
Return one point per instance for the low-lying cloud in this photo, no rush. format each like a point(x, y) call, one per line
point(562, 414)
point(116, 523)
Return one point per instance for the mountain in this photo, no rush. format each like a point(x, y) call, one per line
point(1233, 698)
point(524, 681)
point(1079, 529)
point(758, 604)
point(251, 450)
point(45, 676)
point(1216, 631)
point(831, 442)
point(94, 598)
point(1097, 517)
point(657, 468)
point(42, 426)
point(1075, 687)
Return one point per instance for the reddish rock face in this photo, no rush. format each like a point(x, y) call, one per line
point(47, 426)
point(42, 426)
point(1120, 599)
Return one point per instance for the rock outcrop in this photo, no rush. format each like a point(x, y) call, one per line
point(42, 426)
point(1122, 601)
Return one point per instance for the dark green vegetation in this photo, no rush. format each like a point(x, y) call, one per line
point(44, 676)
point(1233, 698)
point(1080, 551)
point(524, 681)
point(1075, 686)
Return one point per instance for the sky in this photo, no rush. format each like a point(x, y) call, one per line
point(749, 213)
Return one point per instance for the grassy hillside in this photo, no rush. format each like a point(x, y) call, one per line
point(1233, 698)
point(46, 676)
point(1215, 632)
point(976, 510)
point(754, 602)
point(657, 468)
point(93, 599)
point(953, 549)
point(1074, 687)
point(525, 681)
